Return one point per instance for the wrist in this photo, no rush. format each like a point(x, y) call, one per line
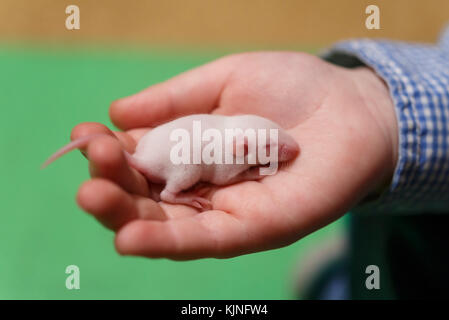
point(380, 105)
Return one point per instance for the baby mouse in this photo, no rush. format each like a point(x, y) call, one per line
point(215, 149)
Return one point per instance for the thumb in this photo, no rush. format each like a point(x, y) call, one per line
point(195, 91)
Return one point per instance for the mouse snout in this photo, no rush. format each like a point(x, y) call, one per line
point(288, 151)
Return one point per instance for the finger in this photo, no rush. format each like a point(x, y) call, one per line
point(114, 207)
point(195, 91)
point(209, 234)
point(137, 134)
point(107, 160)
point(88, 128)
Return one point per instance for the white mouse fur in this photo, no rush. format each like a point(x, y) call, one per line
point(152, 156)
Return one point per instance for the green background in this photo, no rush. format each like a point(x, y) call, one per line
point(44, 92)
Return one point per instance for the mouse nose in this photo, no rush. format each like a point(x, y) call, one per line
point(288, 151)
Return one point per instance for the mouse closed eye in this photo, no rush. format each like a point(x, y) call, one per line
point(264, 145)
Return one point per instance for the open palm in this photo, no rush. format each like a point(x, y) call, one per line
point(343, 121)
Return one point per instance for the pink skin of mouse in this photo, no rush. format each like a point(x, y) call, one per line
point(153, 155)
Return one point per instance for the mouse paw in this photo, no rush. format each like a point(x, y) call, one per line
point(190, 199)
point(201, 203)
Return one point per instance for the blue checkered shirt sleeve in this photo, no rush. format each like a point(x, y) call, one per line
point(418, 79)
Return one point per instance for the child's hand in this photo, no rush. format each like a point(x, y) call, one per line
point(343, 120)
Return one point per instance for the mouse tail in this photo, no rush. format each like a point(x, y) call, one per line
point(75, 144)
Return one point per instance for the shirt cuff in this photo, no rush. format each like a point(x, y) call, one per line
point(416, 76)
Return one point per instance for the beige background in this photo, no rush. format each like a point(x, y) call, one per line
point(222, 23)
